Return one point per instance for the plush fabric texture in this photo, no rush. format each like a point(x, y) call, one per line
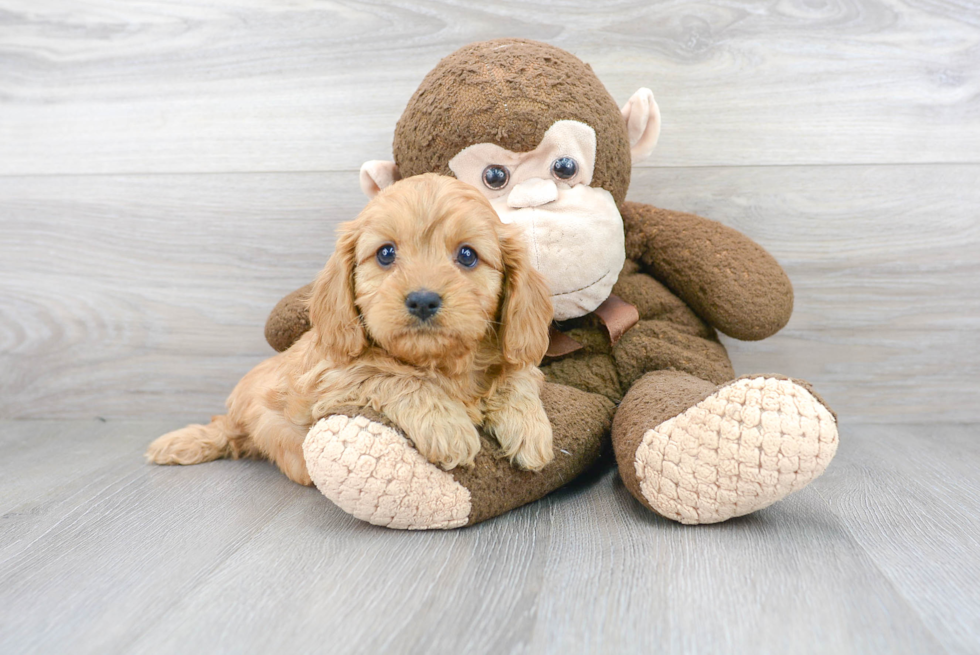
point(581, 424)
point(509, 92)
point(289, 320)
point(563, 139)
point(720, 452)
point(577, 243)
point(574, 232)
point(363, 463)
point(369, 470)
point(669, 336)
point(728, 279)
point(657, 397)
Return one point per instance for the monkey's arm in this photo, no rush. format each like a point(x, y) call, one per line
point(728, 279)
point(289, 319)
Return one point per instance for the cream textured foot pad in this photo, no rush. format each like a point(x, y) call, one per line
point(742, 448)
point(373, 473)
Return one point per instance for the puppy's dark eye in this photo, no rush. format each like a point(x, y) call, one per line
point(386, 255)
point(466, 257)
point(564, 168)
point(496, 177)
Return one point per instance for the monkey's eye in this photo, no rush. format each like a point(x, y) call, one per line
point(386, 255)
point(495, 176)
point(466, 257)
point(564, 168)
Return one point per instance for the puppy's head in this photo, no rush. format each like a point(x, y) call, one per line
point(427, 272)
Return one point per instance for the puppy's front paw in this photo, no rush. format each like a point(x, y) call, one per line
point(536, 452)
point(525, 438)
point(448, 441)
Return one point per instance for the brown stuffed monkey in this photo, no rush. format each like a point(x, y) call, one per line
point(639, 293)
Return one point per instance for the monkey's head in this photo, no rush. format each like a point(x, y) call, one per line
point(534, 129)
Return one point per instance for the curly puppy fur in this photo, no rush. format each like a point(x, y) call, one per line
point(471, 363)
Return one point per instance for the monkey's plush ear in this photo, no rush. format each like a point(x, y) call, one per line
point(333, 315)
point(643, 121)
point(377, 175)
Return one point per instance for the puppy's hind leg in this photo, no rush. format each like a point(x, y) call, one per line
point(196, 444)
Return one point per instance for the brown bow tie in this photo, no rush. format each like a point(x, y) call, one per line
point(615, 313)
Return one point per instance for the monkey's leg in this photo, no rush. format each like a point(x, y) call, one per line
point(697, 452)
point(365, 465)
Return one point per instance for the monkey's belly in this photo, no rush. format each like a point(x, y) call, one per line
point(649, 346)
point(669, 336)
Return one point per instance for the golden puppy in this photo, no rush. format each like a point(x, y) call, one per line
point(429, 312)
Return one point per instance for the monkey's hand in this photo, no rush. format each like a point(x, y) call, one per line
point(728, 279)
point(289, 320)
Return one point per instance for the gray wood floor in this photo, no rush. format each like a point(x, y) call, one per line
point(100, 553)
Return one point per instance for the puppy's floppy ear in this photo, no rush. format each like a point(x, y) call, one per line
point(526, 310)
point(333, 314)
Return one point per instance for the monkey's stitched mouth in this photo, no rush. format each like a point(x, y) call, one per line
point(587, 286)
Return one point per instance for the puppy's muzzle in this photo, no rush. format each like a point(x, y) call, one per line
point(423, 304)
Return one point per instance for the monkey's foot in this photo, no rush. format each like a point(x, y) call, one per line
point(740, 448)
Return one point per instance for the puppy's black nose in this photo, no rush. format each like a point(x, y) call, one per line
point(423, 303)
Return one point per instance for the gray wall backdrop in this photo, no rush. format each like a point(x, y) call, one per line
point(168, 170)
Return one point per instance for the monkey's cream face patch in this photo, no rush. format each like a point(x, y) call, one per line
point(571, 139)
point(574, 232)
point(577, 243)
